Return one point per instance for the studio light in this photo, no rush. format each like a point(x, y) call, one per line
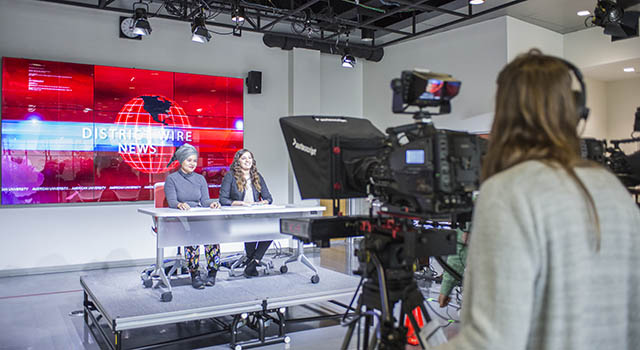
point(606, 12)
point(199, 31)
point(476, 2)
point(584, 13)
point(237, 14)
point(367, 34)
point(629, 69)
point(141, 25)
point(617, 22)
point(348, 60)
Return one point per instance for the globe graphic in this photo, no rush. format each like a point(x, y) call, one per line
point(157, 113)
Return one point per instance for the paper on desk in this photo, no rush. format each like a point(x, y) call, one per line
point(200, 209)
point(253, 207)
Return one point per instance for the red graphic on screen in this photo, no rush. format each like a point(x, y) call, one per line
point(149, 111)
point(55, 116)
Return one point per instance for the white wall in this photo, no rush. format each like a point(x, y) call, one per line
point(473, 54)
point(590, 47)
point(623, 97)
point(612, 104)
point(340, 88)
point(598, 122)
point(523, 36)
point(79, 235)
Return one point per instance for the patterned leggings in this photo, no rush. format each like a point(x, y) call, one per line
point(211, 251)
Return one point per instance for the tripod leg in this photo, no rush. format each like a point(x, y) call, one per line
point(416, 328)
point(373, 342)
point(352, 326)
point(368, 322)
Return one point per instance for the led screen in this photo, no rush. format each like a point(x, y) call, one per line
point(86, 133)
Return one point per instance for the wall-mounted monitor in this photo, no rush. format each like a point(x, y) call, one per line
point(87, 133)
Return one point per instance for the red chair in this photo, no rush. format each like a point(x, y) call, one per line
point(158, 196)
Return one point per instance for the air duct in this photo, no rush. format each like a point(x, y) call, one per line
point(289, 42)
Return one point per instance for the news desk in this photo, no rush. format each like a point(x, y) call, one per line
point(197, 226)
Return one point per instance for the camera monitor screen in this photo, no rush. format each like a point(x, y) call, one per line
point(436, 89)
point(414, 156)
point(88, 133)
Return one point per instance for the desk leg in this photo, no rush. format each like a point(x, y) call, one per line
point(304, 260)
point(167, 295)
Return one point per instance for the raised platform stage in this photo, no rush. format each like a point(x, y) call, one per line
point(118, 302)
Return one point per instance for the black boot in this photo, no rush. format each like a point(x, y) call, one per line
point(210, 280)
point(250, 270)
point(196, 280)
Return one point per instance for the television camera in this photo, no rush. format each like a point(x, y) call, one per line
point(420, 177)
point(610, 154)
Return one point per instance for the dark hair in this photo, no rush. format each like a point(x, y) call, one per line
point(536, 119)
point(238, 174)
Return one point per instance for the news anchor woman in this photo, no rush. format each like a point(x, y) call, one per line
point(243, 185)
point(185, 189)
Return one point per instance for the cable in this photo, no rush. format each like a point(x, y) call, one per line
point(159, 8)
point(352, 300)
point(214, 32)
point(449, 320)
point(448, 268)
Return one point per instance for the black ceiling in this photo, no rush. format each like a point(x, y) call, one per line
point(324, 22)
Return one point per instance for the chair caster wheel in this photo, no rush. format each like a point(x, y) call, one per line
point(287, 339)
point(238, 347)
point(284, 269)
point(166, 297)
point(147, 283)
point(315, 279)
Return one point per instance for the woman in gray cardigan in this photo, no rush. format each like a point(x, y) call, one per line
point(553, 254)
point(185, 189)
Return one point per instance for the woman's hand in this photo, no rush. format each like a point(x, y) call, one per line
point(238, 203)
point(443, 300)
point(183, 206)
point(215, 205)
point(263, 202)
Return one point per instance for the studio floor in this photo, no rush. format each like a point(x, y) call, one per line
point(45, 312)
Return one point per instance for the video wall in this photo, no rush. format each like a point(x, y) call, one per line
point(86, 133)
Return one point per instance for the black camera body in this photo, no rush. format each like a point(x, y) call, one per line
point(414, 169)
point(421, 177)
point(625, 167)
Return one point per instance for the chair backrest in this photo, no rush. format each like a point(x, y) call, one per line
point(158, 195)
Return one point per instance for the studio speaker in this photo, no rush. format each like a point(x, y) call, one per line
point(254, 82)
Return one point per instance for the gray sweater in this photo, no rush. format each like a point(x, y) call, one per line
point(534, 279)
point(186, 188)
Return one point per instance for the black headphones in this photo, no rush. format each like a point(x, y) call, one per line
point(581, 96)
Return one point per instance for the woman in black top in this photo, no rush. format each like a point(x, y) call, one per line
point(185, 189)
point(243, 185)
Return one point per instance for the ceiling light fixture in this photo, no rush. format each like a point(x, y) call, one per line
point(141, 24)
point(584, 13)
point(237, 14)
point(348, 60)
point(367, 34)
point(476, 2)
point(199, 31)
point(629, 69)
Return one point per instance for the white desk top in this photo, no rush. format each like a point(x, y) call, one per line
point(230, 211)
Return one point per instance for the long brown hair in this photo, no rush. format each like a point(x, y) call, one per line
point(238, 174)
point(536, 119)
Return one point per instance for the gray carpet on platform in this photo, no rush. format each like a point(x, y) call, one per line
point(123, 295)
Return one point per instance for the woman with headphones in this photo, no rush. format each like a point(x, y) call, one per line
point(553, 258)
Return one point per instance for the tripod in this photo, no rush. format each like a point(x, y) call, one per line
point(386, 284)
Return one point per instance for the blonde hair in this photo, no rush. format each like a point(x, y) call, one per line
point(238, 174)
point(536, 119)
